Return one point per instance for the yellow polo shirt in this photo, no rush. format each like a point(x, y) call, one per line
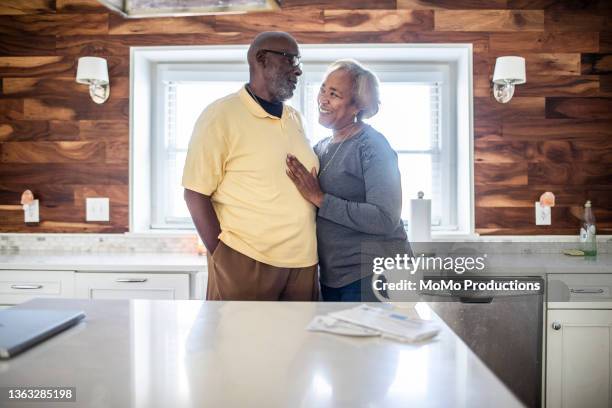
point(237, 156)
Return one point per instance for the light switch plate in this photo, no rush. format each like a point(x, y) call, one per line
point(30, 212)
point(97, 209)
point(542, 214)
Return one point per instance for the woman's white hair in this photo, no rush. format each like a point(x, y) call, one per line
point(365, 86)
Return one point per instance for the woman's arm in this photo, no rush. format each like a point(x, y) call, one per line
point(381, 211)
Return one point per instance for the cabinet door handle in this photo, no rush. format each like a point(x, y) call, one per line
point(587, 291)
point(556, 326)
point(130, 280)
point(26, 286)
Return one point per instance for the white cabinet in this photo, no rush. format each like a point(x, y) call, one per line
point(125, 285)
point(579, 358)
point(18, 286)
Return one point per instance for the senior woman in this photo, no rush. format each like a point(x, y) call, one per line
point(358, 188)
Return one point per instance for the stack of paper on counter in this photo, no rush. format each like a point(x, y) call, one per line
point(366, 320)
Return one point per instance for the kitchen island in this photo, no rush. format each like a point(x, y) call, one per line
point(144, 353)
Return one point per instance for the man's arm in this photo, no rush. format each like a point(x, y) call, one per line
point(204, 217)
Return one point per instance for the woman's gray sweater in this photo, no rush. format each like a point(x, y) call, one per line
point(362, 205)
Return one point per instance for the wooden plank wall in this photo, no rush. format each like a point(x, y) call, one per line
point(555, 134)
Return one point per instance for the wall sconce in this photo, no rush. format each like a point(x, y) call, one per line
point(509, 71)
point(93, 71)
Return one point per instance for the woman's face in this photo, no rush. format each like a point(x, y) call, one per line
point(336, 106)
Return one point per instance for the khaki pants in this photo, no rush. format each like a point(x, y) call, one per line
point(234, 276)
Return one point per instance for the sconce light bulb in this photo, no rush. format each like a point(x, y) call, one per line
point(503, 92)
point(99, 91)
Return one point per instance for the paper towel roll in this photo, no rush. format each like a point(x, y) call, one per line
point(419, 223)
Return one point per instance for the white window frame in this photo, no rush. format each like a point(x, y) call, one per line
point(454, 61)
point(417, 73)
point(178, 72)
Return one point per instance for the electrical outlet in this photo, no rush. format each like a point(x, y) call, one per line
point(542, 214)
point(97, 209)
point(30, 212)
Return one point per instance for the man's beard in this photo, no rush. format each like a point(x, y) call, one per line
point(280, 88)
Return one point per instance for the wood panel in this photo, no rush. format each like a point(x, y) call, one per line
point(489, 20)
point(555, 134)
point(344, 4)
point(75, 109)
point(489, 109)
point(561, 5)
point(605, 85)
point(605, 41)
point(117, 152)
point(450, 4)
point(579, 108)
point(42, 130)
point(58, 174)
point(80, 6)
point(52, 152)
point(50, 194)
point(377, 20)
point(20, 7)
point(525, 196)
point(574, 173)
point(119, 45)
point(36, 66)
point(523, 42)
point(111, 130)
point(559, 85)
point(596, 64)
point(54, 24)
point(561, 20)
point(298, 20)
point(494, 149)
point(557, 129)
point(585, 151)
point(183, 25)
point(27, 45)
point(514, 174)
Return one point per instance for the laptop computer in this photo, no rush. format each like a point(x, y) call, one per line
point(20, 329)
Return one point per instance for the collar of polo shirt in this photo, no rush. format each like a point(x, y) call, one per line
point(254, 107)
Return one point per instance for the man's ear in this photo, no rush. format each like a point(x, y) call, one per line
point(260, 57)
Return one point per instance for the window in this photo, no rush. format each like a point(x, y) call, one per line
point(410, 118)
point(420, 90)
point(183, 101)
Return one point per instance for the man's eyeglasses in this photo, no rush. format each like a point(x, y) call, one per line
point(292, 59)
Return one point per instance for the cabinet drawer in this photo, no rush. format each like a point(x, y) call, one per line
point(19, 286)
point(580, 287)
point(132, 286)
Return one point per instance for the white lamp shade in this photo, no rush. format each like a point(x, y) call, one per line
point(510, 69)
point(92, 69)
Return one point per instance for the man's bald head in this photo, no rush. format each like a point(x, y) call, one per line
point(273, 68)
point(275, 40)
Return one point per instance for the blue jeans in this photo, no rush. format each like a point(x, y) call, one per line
point(358, 291)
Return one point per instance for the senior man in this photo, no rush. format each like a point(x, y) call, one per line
point(258, 230)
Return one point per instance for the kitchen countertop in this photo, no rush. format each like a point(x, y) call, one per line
point(144, 353)
point(104, 262)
